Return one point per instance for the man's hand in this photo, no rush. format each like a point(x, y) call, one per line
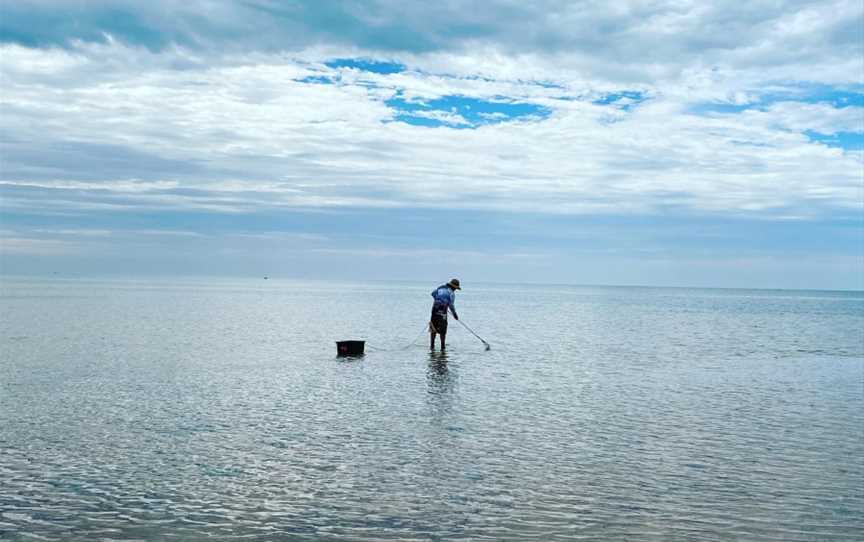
point(456, 316)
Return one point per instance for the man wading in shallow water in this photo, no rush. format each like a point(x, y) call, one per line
point(445, 299)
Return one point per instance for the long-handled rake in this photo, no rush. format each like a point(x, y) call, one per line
point(478, 336)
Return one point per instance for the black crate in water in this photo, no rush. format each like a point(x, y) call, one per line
point(350, 348)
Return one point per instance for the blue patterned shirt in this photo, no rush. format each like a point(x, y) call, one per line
point(445, 298)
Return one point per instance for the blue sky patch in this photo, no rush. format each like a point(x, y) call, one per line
point(841, 140)
point(317, 80)
point(463, 111)
point(722, 108)
point(367, 65)
point(821, 94)
point(626, 99)
point(812, 94)
point(422, 121)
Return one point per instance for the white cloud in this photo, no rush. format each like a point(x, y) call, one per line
point(182, 128)
point(820, 118)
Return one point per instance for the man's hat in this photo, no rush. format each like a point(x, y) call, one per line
point(454, 283)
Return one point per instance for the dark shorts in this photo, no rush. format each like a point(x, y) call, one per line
point(439, 323)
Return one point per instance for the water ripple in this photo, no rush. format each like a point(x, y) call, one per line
point(599, 414)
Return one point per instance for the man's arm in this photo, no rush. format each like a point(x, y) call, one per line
point(453, 306)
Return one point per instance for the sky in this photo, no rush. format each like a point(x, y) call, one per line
point(665, 143)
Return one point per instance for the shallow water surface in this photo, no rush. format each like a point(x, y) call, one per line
point(191, 410)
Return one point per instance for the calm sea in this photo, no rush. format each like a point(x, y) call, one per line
point(205, 409)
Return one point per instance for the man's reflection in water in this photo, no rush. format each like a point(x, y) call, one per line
point(438, 369)
point(441, 433)
point(440, 380)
